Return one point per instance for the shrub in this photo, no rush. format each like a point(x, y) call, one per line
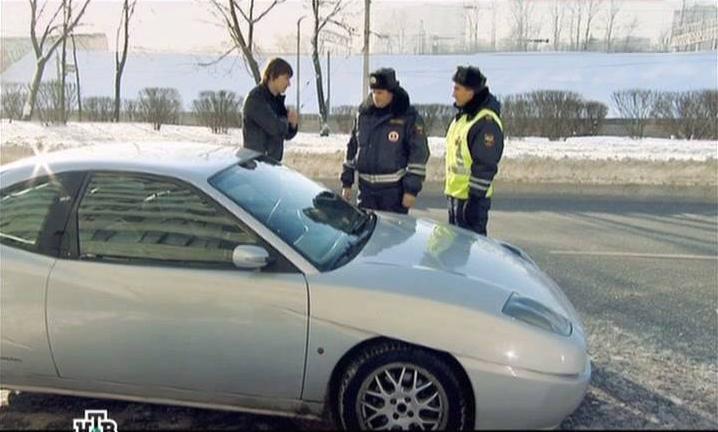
point(13, 99)
point(637, 107)
point(688, 114)
point(98, 109)
point(159, 105)
point(218, 110)
point(48, 105)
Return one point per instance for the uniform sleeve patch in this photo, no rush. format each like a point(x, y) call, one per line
point(489, 140)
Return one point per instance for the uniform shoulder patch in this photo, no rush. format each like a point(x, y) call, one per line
point(489, 140)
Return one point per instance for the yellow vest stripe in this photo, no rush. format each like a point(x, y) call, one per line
point(458, 157)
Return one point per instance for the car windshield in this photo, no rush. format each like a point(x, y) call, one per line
point(315, 221)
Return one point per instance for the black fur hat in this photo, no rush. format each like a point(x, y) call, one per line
point(470, 76)
point(383, 79)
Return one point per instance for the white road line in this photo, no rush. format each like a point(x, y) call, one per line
point(635, 255)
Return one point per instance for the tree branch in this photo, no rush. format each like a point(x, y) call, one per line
point(222, 57)
point(49, 28)
point(33, 22)
point(269, 8)
point(233, 4)
point(69, 28)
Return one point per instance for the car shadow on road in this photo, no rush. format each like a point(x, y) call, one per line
point(615, 401)
point(34, 411)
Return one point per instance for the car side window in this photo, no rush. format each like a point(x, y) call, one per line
point(24, 210)
point(143, 218)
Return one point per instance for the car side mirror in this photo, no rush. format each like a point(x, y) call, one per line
point(250, 257)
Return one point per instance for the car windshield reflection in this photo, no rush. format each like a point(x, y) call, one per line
point(315, 221)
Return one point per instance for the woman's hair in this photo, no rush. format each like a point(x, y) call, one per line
point(276, 67)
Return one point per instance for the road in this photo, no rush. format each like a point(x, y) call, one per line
point(642, 270)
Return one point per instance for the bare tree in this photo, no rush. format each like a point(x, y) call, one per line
point(123, 30)
point(159, 106)
point(614, 7)
point(66, 13)
point(636, 106)
point(218, 110)
point(576, 19)
point(521, 10)
point(77, 77)
point(592, 9)
point(324, 12)
point(473, 13)
point(630, 28)
point(43, 53)
point(557, 15)
point(243, 38)
point(13, 96)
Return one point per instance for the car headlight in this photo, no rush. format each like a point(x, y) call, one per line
point(532, 312)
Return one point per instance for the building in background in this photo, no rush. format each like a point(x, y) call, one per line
point(434, 31)
point(15, 48)
point(695, 28)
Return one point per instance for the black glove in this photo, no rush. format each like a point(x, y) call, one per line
point(471, 210)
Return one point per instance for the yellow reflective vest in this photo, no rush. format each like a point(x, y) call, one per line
point(458, 154)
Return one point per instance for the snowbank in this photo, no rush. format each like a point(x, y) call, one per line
point(583, 160)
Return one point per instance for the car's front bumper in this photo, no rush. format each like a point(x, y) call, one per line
point(511, 398)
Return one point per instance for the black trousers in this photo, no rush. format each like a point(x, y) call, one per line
point(386, 198)
point(474, 217)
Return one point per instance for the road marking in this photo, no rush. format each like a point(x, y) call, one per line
point(635, 255)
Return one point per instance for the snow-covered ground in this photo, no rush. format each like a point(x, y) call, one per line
point(580, 148)
point(584, 160)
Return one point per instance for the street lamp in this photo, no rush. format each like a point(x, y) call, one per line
point(298, 80)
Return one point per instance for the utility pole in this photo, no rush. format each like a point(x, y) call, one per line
point(493, 26)
point(329, 83)
point(298, 81)
point(367, 30)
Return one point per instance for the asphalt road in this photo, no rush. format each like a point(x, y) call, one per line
point(641, 267)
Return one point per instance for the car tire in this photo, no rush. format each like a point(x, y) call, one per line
point(379, 390)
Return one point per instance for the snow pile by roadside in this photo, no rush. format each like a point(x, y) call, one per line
point(581, 160)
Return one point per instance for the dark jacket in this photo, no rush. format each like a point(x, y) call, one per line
point(486, 142)
point(264, 122)
point(385, 141)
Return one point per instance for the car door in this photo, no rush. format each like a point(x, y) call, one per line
point(32, 216)
point(152, 297)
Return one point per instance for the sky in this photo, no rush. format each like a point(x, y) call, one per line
point(190, 25)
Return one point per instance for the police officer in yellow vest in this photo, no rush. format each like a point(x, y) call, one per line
point(474, 144)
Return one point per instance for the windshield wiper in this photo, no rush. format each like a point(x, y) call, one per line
point(359, 227)
point(364, 230)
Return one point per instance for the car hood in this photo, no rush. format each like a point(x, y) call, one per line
point(404, 241)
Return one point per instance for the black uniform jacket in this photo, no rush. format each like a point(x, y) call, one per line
point(386, 141)
point(486, 142)
point(264, 122)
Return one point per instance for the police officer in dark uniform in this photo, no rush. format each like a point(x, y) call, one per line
point(388, 148)
point(474, 145)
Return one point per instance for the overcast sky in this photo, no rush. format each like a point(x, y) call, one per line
point(189, 25)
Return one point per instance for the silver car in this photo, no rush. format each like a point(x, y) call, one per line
point(196, 275)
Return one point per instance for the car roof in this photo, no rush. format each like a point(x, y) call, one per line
point(188, 161)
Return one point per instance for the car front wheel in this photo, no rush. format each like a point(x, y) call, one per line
point(393, 386)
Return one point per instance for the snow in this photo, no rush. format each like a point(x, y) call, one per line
point(427, 78)
point(27, 134)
